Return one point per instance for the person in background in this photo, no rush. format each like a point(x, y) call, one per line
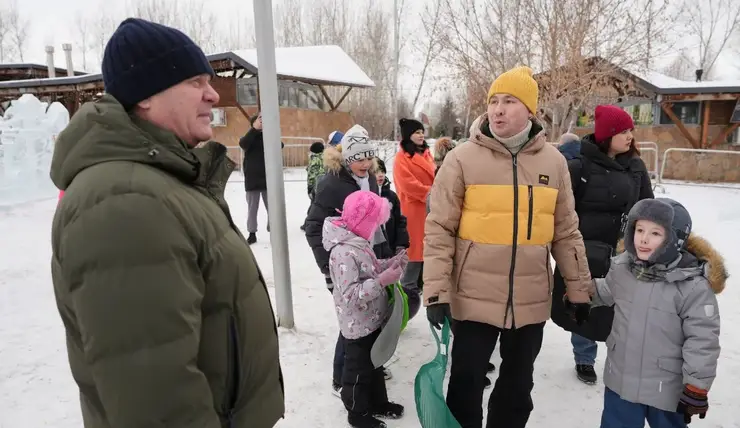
point(664, 344)
point(608, 178)
point(500, 203)
point(362, 304)
point(442, 146)
point(167, 316)
point(335, 138)
point(395, 227)
point(255, 181)
point(570, 145)
point(413, 175)
point(347, 171)
point(314, 170)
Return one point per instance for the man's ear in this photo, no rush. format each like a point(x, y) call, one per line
point(145, 104)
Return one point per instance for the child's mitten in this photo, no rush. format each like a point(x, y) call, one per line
point(390, 275)
point(693, 401)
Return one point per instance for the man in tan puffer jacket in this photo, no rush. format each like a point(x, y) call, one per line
point(500, 205)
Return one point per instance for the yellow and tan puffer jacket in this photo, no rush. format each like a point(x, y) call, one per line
point(493, 223)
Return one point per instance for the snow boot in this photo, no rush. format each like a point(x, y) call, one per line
point(388, 411)
point(252, 238)
point(336, 389)
point(364, 420)
point(586, 374)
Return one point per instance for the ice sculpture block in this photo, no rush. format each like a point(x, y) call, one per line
point(27, 133)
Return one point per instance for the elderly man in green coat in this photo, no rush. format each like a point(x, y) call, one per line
point(167, 316)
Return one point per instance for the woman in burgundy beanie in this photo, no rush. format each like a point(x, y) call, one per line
point(608, 178)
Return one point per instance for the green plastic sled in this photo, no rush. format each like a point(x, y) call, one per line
point(429, 386)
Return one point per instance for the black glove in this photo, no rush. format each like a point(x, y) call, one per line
point(693, 401)
point(578, 312)
point(436, 314)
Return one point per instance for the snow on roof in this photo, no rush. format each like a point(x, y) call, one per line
point(328, 65)
point(671, 85)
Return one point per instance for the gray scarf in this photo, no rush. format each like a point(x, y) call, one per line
point(516, 141)
point(364, 183)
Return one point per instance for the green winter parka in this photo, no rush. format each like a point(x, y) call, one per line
point(167, 316)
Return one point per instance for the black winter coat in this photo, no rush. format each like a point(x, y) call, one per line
point(253, 163)
point(331, 191)
point(395, 227)
point(613, 186)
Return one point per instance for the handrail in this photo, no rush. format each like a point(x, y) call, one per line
point(680, 149)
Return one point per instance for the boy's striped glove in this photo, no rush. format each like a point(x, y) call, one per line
point(693, 401)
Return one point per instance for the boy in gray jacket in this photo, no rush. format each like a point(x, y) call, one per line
point(664, 343)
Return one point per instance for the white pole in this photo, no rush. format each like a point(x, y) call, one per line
point(396, 60)
point(268, 88)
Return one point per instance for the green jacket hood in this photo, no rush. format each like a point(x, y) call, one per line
point(103, 131)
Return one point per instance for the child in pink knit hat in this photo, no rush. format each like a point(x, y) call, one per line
point(362, 303)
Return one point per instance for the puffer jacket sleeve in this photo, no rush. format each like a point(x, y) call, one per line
point(319, 210)
point(448, 193)
point(567, 243)
point(602, 293)
point(345, 273)
point(700, 315)
point(136, 293)
point(402, 233)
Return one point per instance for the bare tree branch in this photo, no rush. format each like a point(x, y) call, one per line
point(18, 29)
point(714, 23)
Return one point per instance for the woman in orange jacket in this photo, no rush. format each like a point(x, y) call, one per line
point(413, 174)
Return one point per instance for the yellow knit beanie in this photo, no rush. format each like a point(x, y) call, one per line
point(517, 82)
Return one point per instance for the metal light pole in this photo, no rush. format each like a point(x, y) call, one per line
point(268, 89)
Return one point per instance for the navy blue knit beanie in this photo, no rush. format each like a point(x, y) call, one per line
point(144, 58)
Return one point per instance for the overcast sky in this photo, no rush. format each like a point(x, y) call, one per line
point(53, 22)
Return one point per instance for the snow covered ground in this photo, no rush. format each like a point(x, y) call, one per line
point(37, 390)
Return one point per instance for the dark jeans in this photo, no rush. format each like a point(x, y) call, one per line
point(619, 413)
point(510, 403)
point(363, 386)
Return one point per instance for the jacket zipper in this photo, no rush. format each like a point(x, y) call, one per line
point(547, 265)
point(233, 372)
point(531, 211)
point(515, 234)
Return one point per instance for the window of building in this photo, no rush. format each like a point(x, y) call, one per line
point(290, 94)
point(642, 114)
point(688, 112)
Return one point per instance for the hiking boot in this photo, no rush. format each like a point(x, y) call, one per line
point(336, 389)
point(387, 374)
point(491, 367)
point(252, 238)
point(364, 420)
point(388, 411)
point(586, 374)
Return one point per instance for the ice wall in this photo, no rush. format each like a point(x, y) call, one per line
point(27, 133)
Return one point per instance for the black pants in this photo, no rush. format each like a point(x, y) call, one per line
point(363, 386)
point(338, 365)
point(511, 401)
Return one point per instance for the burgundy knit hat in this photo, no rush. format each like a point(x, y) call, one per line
point(610, 121)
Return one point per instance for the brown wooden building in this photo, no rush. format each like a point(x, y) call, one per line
point(673, 114)
point(307, 76)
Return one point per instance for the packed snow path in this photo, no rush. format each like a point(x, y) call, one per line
point(36, 388)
